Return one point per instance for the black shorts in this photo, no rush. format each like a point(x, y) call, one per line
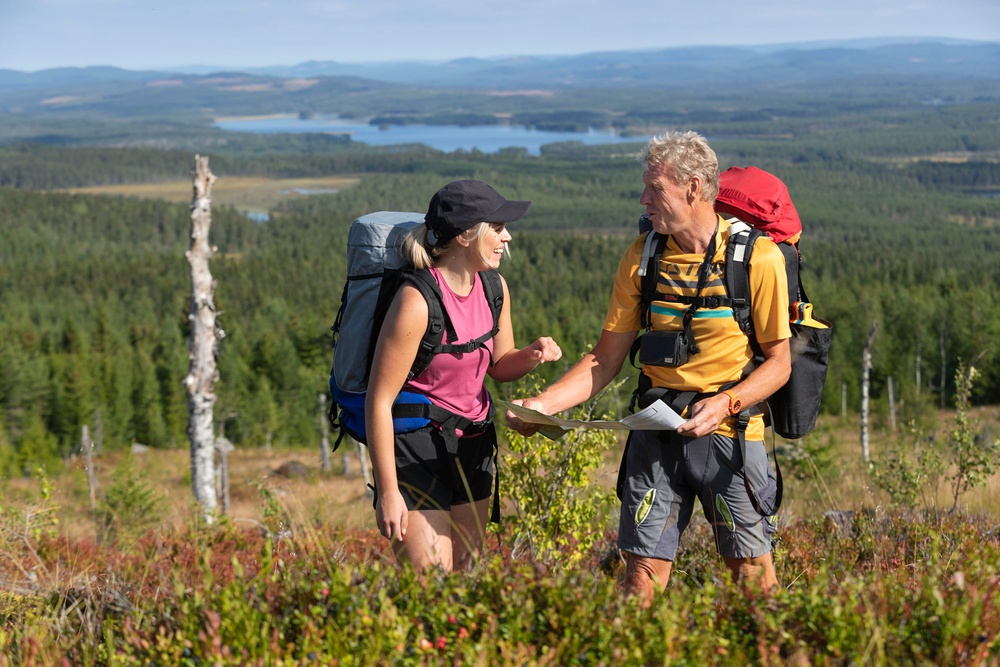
point(436, 469)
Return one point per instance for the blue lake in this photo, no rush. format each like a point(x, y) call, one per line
point(447, 138)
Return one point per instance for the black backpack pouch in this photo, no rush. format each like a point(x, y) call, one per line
point(795, 406)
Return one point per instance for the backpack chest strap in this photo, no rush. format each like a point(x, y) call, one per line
point(697, 301)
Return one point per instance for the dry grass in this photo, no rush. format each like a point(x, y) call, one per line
point(849, 486)
point(316, 496)
point(335, 499)
point(247, 194)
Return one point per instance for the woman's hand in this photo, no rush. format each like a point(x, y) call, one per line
point(544, 349)
point(516, 363)
point(391, 515)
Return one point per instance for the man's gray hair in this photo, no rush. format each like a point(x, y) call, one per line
point(685, 154)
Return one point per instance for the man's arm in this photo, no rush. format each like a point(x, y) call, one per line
point(583, 381)
point(769, 377)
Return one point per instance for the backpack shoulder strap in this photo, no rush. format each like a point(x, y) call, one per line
point(437, 320)
point(649, 274)
point(493, 289)
point(742, 238)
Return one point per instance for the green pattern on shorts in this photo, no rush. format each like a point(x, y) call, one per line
point(647, 504)
point(723, 509)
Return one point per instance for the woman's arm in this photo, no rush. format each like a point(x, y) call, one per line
point(397, 346)
point(510, 363)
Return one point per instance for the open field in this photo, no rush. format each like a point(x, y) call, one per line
point(250, 194)
point(299, 576)
point(332, 498)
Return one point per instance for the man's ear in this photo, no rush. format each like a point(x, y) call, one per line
point(693, 189)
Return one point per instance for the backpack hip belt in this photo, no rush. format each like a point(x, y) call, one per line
point(446, 419)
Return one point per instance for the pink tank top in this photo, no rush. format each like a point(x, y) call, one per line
point(455, 381)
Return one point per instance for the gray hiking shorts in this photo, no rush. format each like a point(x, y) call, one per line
point(662, 479)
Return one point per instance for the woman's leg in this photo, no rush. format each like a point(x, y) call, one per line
point(428, 540)
point(449, 540)
point(468, 531)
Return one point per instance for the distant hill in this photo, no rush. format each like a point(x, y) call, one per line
point(682, 66)
point(627, 90)
point(688, 66)
point(62, 76)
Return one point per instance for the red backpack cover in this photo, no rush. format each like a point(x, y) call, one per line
point(760, 199)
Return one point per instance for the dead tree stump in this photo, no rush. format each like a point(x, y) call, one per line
point(202, 345)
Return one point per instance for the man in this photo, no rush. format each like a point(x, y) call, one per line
point(664, 471)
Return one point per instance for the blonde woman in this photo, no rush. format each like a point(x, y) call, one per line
point(433, 484)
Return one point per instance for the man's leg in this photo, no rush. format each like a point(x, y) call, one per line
point(656, 507)
point(752, 573)
point(645, 577)
point(743, 537)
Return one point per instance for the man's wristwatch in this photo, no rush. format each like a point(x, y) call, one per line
point(735, 404)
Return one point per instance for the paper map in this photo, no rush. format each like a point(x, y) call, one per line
point(657, 417)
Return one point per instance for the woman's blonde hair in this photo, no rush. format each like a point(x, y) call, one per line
point(421, 254)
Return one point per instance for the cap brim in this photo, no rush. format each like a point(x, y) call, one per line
point(510, 211)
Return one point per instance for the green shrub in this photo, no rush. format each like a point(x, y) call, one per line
point(559, 510)
point(964, 460)
point(129, 505)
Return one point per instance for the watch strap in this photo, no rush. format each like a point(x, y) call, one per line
point(735, 403)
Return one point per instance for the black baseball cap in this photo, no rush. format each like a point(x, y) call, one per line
point(464, 204)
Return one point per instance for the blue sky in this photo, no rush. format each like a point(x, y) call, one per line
point(148, 34)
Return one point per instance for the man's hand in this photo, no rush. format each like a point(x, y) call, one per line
point(706, 415)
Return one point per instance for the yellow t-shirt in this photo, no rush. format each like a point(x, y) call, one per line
point(725, 350)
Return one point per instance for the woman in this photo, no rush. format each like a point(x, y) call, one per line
point(433, 484)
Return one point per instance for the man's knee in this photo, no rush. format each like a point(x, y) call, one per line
point(644, 577)
point(758, 572)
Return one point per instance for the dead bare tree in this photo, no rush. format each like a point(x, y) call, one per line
point(892, 406)
point(202, 345)
point(944, 370)
point(366, 474)
point(324, 434)
point(866, 370)
point(87, 447)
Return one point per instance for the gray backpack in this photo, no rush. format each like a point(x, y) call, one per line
point(376, 269)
